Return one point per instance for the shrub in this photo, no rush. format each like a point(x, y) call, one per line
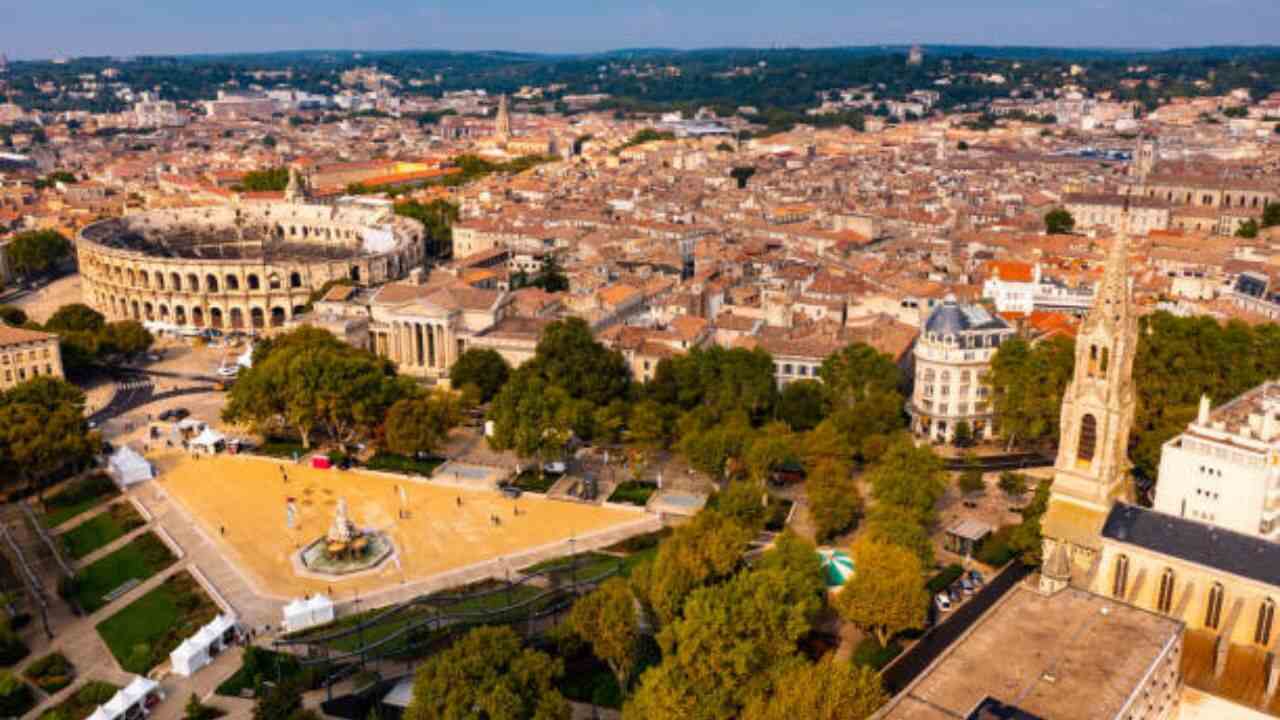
point(16, 697)
point(869, 653)
point(944, 578)
point(996, 549)
point(51, 673)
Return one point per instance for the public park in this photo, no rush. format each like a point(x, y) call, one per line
point(243, 504)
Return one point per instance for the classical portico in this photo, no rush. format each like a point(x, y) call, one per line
point(423, 329)
point(423, 346)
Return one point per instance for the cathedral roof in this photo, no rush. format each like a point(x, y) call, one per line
point(952, 317)
point(1208, 545)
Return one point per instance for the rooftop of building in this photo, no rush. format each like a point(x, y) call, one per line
point(1070, 656)
point(952, 317)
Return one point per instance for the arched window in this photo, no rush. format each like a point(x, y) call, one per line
point(273, 281)
point(211, 282)
point(295, 280)
point(253, 283)
point(1122, 577)
point(1266, 616)
point(1164, 600)
point(1213, 610)
point(233, 282)
point(1093, 360)
point(1088, 442)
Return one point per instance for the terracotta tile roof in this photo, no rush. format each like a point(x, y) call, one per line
point(15, 335)
point(1012, 271)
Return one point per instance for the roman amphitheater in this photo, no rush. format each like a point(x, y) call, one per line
point(245, 266)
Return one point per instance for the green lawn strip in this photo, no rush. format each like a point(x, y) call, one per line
point(100, 530)
point(145, 556)
point(633, 492)
point(82, 702)
point(143, 634)
point(77, 497)
point(589, 565)
point(51, 673)
point(388, 462)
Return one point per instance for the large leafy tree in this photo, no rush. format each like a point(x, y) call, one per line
point(1059, 222)
point(36, 251)
point(858, 371)
point(891, 524)
point(802, 404)
point(909, 476)
point(483, 368)
point(887, 594)
point(421, 424)
point(531, 416)
point(488, 674)
point(569, 357)
point(717, 656)
point(826, 690)
point(75, 317)
point(707, 550)
point(608, 620)
point(1027, 382)
point(43, 433)
point(307, 381)
point(721, 381)
point(834, 503)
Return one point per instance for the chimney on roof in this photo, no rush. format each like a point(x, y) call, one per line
point(1202, 418)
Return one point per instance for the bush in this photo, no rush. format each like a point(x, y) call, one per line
point(869, 653)
point(633, 492)
point(971, 482)
point(1013, 484)
point(51, 673)
point(996, 549)
point(944, 578)
point(12, 649)
point(16, 697)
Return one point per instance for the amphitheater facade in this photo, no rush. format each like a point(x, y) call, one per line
point(250, 266)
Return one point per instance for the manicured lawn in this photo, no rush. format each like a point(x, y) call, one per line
point(78, 496)
point(281, 448)
point(101, 529)
point(82, 702)
point(139, 560)
point(389, 462)
point(633, 492)
point(143, 634)
point(51, 673)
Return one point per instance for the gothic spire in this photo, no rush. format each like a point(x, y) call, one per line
point(1111, 306)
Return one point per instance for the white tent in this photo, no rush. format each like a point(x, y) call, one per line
point(199, 650)
point(128, 467)
point(209, 440)
point(99, 714)
point(138, 690)
point(307, 612)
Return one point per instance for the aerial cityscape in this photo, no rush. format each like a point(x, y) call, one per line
point(651, 363)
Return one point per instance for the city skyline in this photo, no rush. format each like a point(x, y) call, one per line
point(570, 26)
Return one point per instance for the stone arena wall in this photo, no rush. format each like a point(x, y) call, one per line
point(164, 266)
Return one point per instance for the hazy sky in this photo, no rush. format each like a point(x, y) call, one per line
point(49, 28)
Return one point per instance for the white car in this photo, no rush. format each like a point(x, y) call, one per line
point(554, 468)
point(943, 602)
point(228, 370)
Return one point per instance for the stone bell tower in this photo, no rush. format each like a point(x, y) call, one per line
point(1092, 468)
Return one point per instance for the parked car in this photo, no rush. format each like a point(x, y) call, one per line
point(554, 468)
point(976, 578)
point(510, 491)
point(175, 414)
point(967, 585)
point(943, 602)
point(228, 370)
point(956, 592)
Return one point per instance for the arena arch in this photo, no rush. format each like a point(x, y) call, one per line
point(211, 283)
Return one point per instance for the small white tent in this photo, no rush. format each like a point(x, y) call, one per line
point(127, 467)
point(307, 612)
point(209, 441)
point(199, 650)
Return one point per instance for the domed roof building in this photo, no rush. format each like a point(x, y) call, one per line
point(952, 357)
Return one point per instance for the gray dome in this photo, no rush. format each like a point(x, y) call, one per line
point(951, 318)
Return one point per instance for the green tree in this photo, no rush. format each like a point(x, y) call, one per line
point(971, 483)
point(43, 433)
point(568, 357)
point(707, 550)
point(488, 674)
point(437, 218)
point(607, 619)
point(826, 690)
point(421, 424)
point(11, 315)
point(36, 251)
point(1248, 229)
point(909, 476)
point(768, 450)
point(802, 404)
point(650, 425)
point(1013, 484)
point(896, 525)
point(531, 416)
point(745, 502)
point(1059, 222)
point(74, 317)
point(833, 499)
point(858, 371)
point(742, 174)
point(273, 179)
point(1271, 213)
point(716, 657)
point(127, 337)
point(482, 367)
point(962, 436)
point(278, 702)
point(887, 595)
point(308, 381)
point(1027, 383)
point(718, 381)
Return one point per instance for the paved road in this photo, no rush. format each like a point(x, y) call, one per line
point(133, 391)
point(913, 662)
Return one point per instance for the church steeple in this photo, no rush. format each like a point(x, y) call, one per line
point(502, 124)
point(1092, 468)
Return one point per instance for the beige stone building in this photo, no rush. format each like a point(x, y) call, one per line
point(249, 266)
point(27, 354)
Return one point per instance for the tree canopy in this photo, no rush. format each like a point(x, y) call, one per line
point(488, 674)
point(421, 424)
point(36, 251)
point(483, 368)
point(43, 433)
point(910, 477)
point(1027, 382)
point(706, 550)
point(826, 690)
point(887, 594)
point(1059, 222)
point(307, 381)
